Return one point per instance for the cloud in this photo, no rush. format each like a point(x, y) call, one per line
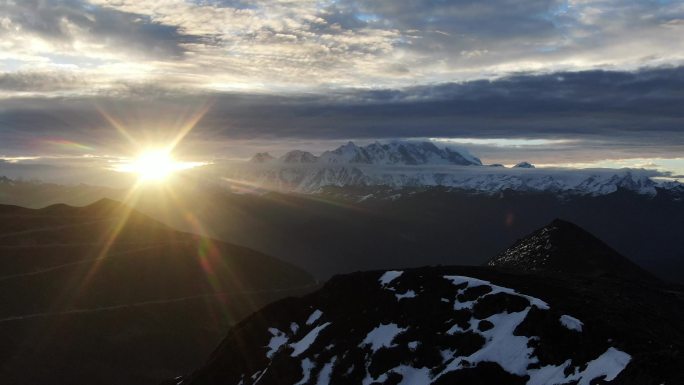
point(613, 114)
point(619, 106)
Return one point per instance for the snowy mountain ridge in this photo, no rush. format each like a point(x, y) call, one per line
point(475, 329)
point(423, 164)
point(393, 153)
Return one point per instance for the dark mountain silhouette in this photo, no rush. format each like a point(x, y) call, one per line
point(103, 294)
point(37, 194)
point(341, 230)
point(338, 232)
point(458, 325)
point(564, 247)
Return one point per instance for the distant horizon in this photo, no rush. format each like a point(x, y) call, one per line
point(84, 83)
point(37, 169)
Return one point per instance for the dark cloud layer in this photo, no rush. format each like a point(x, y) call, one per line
point(642, 106)
point(629, 109)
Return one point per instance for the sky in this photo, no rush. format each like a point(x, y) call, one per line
point(564, 83)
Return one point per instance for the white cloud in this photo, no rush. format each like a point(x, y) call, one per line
point(309, 44)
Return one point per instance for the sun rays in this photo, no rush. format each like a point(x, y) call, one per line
point(152, 155)
point(155, 162)
point(160, 186)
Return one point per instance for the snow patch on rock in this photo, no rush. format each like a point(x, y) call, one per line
point(571, 322)
point(382, 336)
point(389, 276)
point(278, 339)
point(314, 317)
point(407, 294)
point(474, 282)
point(303, 345)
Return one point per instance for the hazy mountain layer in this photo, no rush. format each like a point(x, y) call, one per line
point(354, 228)
point(334, 232)
point(105, 295)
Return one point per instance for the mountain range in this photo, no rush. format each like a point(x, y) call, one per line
point(399, 165)
point(582, 319)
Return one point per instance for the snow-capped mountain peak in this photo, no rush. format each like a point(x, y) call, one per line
point(347, 153)
point(398, 153)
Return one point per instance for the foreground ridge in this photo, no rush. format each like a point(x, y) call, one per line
point(434, 326)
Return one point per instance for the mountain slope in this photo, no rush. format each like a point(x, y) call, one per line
point(458, 325)
point(566, 248)
point(111, 289)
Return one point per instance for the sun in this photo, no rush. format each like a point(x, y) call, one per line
point(155, 165)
